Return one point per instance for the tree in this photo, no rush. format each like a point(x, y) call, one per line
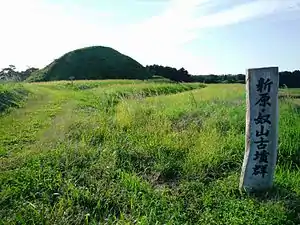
point(10, 74)
point(181, 75)
point(25, 74)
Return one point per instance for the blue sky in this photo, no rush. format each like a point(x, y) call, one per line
point(203, 36)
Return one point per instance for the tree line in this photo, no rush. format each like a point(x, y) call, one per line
point(11, 74)
point(286, 78)
point(181, 75)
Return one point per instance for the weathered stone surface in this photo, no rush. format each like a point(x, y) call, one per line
point(261, 129)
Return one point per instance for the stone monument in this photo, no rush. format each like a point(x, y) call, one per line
point(261, 129)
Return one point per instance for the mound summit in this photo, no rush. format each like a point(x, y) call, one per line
point(91, 63)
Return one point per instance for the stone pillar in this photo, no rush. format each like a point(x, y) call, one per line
point(261, 129)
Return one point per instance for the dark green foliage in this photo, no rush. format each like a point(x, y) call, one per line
point(170, 73)
point(91, 63)
point(213, 79)
point(286, 78)
point(290, 79)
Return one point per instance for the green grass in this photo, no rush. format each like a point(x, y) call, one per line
point(139, 153)
point(11, 95)
point(86, 84)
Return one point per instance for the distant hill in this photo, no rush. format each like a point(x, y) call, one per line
point(91, 63)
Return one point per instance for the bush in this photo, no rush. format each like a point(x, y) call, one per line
point(11, 95)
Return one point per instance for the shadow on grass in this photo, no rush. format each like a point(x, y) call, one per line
point(161, 169)
point(283, 194)
point(183, 122)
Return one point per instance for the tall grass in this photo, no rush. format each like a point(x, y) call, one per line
point(11, 95)
point(86, 84)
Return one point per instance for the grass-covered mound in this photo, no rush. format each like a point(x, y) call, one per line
point(92, 63)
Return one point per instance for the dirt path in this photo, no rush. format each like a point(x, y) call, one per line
point(43, 117)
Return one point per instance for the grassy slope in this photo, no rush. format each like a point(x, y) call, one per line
point(96, 62)
point(108, 154)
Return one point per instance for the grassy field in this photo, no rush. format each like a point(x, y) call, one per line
point(131, 152)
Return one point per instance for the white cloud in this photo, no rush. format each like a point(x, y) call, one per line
point(180, 22)
point(163, 36)
point(36, 32)
point(161, 39)
point(244, 12)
